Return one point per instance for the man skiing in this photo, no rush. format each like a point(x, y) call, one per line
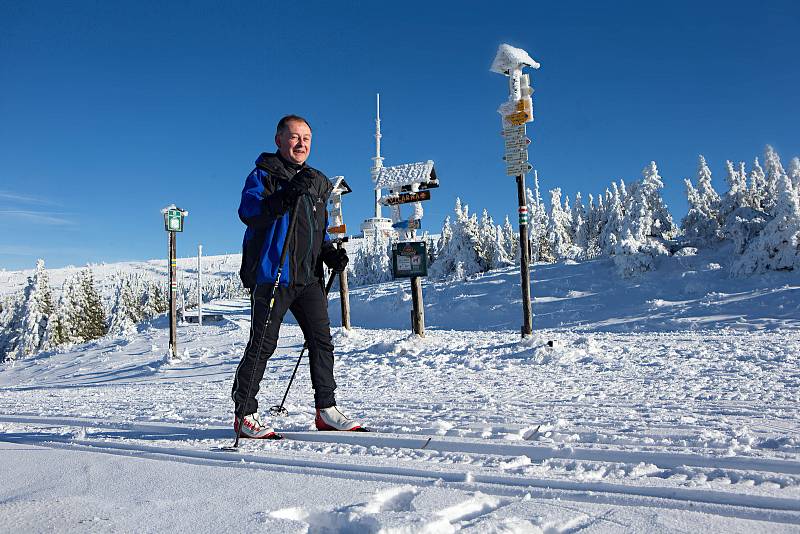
point(283, 187)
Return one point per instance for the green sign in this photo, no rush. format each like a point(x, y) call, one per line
point(173, 221)
point(410, 259)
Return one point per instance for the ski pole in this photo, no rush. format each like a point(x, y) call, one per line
point(284, 251)
point(279, 410)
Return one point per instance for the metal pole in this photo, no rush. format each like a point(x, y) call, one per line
point(173, 290)
point(200, 285)
point(524, 249)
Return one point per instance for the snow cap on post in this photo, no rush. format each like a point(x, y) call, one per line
point(509, 58)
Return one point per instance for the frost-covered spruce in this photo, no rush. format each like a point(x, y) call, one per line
point(511, 240)
point(773, 172)
point(93, 319)
point(459, 257)
point(538, 222)
point(28, 323)
point(126, 311)
point(758, 188)
point(580, 229)
point(777, 247)
point(559, 230)
point(10, 325)
point(794, 172)
point(701, 225)
point(594, 227)
point(736, 196)
point(372, 263)
point(612, 222)
point(646, 225)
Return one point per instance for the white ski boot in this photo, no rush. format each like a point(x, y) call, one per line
point(332, 419)
point(254, 428)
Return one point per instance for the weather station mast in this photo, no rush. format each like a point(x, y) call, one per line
point(378, 223)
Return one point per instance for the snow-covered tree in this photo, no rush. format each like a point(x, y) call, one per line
point(647, 223)
point(511, 239)
point(538, 222)
point(773, 172)
point(28, 324)
point(736, 196)
point(372, 263)
point(492, 251)
point(459, 257)
point(701, 225)
point(126, 311)
point(794, 172)
point(580, 228)
point(93, 321)
point(612, 221)
point(594, 227)
point(777, 247)
point(10, 325)
point(558, 232)
point(155, 300)
point(758, 188)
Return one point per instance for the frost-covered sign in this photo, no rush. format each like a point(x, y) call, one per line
point(407, 184)
point(173, 218)
point(336, 224)
point(519, 108)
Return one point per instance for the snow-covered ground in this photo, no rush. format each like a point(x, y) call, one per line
point(667, 403)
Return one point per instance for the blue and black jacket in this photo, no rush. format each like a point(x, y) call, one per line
point(266, 230)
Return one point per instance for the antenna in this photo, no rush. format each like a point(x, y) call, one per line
point(377, 160)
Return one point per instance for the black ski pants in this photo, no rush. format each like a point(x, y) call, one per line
point(309, 305)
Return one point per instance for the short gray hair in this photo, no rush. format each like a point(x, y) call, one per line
point(289, 118)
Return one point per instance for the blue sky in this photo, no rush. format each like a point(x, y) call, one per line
point(111, 110)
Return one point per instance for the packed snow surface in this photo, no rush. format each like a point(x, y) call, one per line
point(665, 404)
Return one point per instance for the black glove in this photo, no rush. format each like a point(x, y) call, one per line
point(285, 198)
point(335, 258)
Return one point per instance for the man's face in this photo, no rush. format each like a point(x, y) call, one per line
point(294, 143)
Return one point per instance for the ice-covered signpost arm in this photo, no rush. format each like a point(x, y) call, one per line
point(514, 113)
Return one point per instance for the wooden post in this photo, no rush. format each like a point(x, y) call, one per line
point(173, 290)
point(344, 296)
point(527, 326)
point(418, 309)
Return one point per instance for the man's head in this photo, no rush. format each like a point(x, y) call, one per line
point(293, 138)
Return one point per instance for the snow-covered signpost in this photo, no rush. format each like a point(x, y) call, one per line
point(515, 112)
point(338, 229)
point(173, 222)
point(409, 184)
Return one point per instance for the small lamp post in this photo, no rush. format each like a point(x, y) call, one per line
point(173, 222)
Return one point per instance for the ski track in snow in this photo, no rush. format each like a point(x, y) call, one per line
point(667, 403)
point(700, 422)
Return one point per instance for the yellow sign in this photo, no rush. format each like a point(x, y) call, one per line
point(518, 118)
point(341, 229)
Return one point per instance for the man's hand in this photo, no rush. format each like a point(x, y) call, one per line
point(285, 198)
point(335, 258)
point(303, 180)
